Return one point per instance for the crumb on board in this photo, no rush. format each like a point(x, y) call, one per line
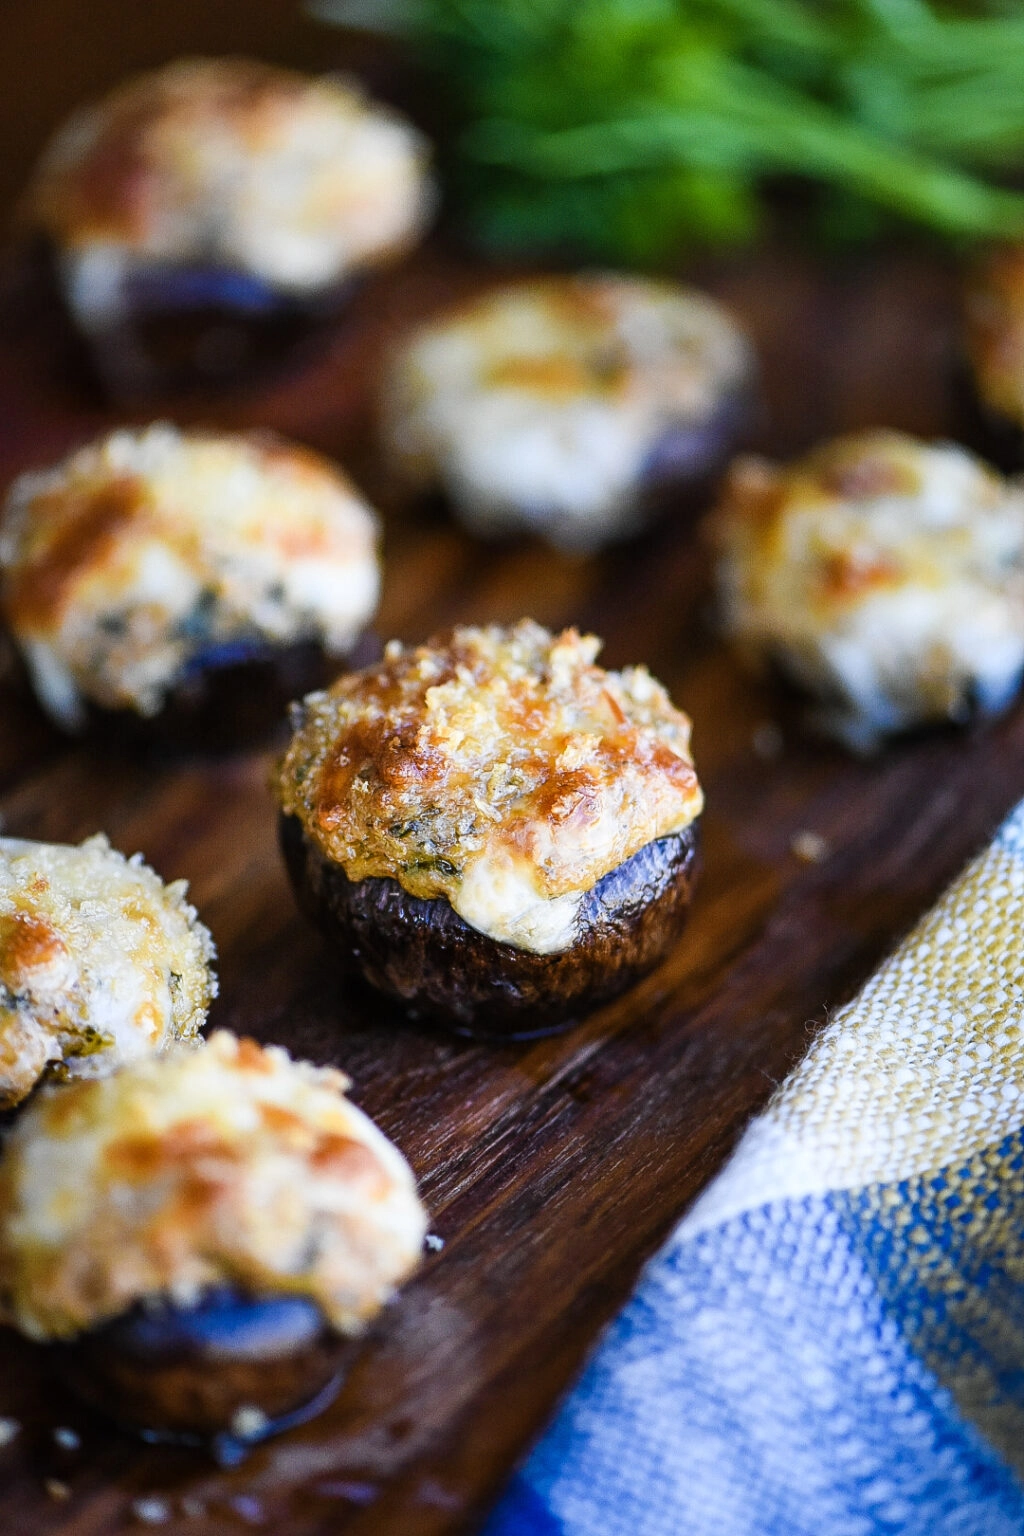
point(67, 1439)
point(247, 1507)
point(10, 1429)
point(767, 741)
point(151, 1511)
point(436, 1495)
point(349, 1492)
point(57, 1490)
point(248, 1422)
point(809, 847)
point(433, 1243)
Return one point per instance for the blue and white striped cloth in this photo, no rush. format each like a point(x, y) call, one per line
point(832, 1342)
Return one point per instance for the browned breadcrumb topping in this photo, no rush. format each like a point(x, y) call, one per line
point(488, 744)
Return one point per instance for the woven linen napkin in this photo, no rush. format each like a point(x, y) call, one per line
point(832, 1342)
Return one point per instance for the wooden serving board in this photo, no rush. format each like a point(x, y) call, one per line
point(551, 1169)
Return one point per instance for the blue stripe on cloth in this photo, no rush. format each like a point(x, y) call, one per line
point(523, 1513)
point(946, 1252)
point(763, 1381)
point(1011, 834)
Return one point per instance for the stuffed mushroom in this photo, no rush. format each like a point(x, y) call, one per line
point(572, 407)
point(200, 1237)
point(884, 575)
point(491, 828)
point(204, 216)
point(994, 337)
point(191, 582)
point(100, 963)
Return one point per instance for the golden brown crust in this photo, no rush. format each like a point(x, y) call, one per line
point(811, 518)
point(29, 945)
point(72, 533)
point(761, 502)
point(669, 348)
point(488, 749)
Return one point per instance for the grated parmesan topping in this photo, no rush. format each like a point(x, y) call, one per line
point(498, 768)
point(886, 575)
point(100, 962)
point(230, 1164)
point(148, 548)
point(545, 403)
point(236, 164)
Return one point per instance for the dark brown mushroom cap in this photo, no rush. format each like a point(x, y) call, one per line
point(226, 701)
point(232, 700)
point(179, 328)
point(425, 954)
point(229, 1363)
point(675, 481)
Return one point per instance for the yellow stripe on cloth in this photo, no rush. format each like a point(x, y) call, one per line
point(922, 1070)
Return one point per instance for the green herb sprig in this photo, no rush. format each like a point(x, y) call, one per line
point(624, 128)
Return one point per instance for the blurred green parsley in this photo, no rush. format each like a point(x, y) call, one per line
point(623, 129)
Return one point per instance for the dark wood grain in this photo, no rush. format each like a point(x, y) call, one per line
point(551, 1169)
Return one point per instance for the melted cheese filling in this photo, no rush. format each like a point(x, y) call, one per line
point(498, 895)
point(100, 962)
point(232, 164)
point(542, 404)
point(888, 576)
point(150, 548)
point(230, 1164)
point(498, 768)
